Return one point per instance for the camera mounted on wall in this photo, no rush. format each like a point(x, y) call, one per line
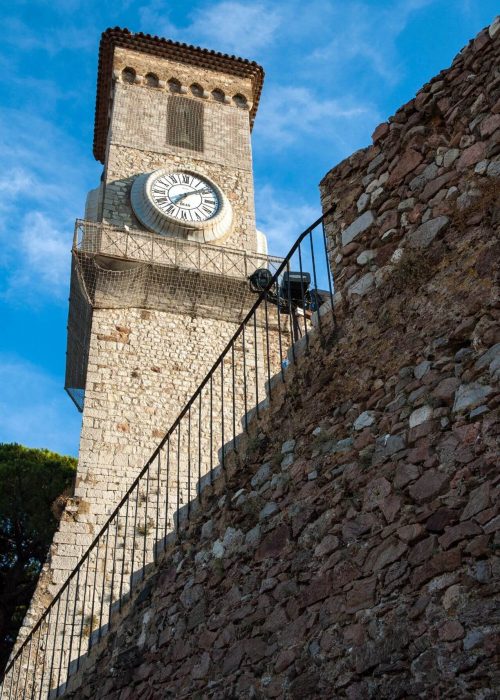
point(292, 293)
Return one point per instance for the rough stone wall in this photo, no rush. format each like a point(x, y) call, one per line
point(433, 167)
point(351, 550)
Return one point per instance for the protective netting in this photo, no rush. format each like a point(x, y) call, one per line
point(119, 268)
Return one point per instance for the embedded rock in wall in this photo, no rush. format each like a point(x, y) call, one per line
point(350, 552)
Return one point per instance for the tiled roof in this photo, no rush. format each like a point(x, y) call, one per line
point(163, 48)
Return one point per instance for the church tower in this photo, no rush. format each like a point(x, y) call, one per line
point(159, 284)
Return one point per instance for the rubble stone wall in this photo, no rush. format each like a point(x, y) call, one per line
point(433, 168)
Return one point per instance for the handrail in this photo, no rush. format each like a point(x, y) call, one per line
point(272, 295)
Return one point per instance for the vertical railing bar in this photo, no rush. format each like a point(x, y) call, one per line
point(157, 519)
point(35, 665)
point(178, 475)
point(291, 311)
point(328, 272)
point(266, 320)
point(278, 304)
point(211, 431)
point(31, 640)
point(44, 661)
point(314, 276)
point(91, 626)
point(19, 667)
point(303, 298)
point(189, 465)
point(62, 642)
point(244, 377)
point(223, 463)
point(11, 685)
point(112, 588)
point(54, 647)
point(122, 577)
point(133, 540)
point(199, 448)
point(83, 614)
point(145, 525)
point(234, 395)
point(256, 368)
point(77, 586)
point(167, 492)
point(103, 589)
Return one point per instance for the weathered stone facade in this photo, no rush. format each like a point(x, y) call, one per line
point(351, 551)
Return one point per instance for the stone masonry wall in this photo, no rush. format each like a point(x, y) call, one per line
point(351, 550)
point(433, 166)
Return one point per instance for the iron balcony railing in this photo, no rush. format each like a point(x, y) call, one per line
point(96, 238)
point(168, 489)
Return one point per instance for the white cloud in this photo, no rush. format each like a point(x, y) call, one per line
point(64, 36)
point(34, 409)
point(290, 113)
point(42, 189)
point(230, 26)
point(44, 257)
point(367, 34)
point(20, 183)
point(279, 219)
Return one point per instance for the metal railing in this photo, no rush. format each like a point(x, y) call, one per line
point(131, 244)
point(168, 489)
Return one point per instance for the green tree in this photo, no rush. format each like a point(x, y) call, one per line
point(33, 487)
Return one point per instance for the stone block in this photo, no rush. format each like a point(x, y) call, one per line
point(358, 226)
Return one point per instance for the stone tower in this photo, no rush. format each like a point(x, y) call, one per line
point(159, 285)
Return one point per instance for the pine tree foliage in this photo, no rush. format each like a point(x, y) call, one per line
point(33, 487)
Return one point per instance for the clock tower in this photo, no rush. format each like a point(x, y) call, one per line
point(159, 284)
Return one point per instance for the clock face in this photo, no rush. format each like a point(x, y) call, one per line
point(185, 196)
point(181, 203)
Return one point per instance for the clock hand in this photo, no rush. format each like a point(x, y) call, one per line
point(179, 197)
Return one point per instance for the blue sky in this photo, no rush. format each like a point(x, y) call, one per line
point(334, 70)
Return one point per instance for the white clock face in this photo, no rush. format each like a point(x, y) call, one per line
point(181, 203)
point(185, 196)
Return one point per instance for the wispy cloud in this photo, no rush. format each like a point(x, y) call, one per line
point(43, 261)
point(290, 113)
point(282, 217)
point(364, 38)
point(42, 190)
point(34, 409)
point(230, 26)
point(68, 35)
